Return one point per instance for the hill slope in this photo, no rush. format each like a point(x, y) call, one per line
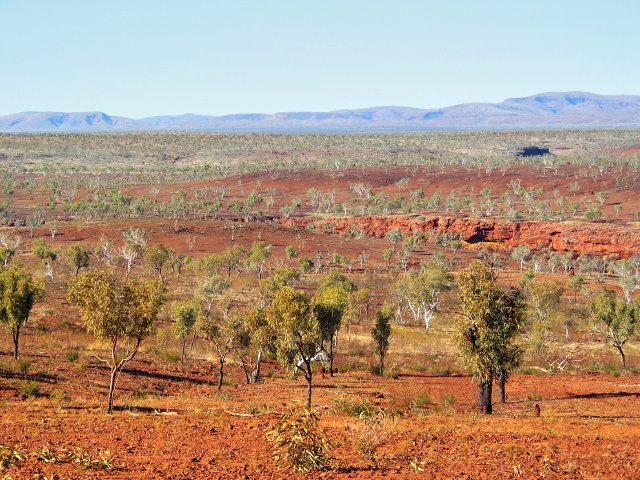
point(550, 110)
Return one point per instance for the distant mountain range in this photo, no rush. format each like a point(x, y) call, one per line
point(545, 110)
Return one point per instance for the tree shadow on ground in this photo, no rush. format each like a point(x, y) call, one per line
point(38, 377)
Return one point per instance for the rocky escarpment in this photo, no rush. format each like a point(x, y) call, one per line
point(622, 239)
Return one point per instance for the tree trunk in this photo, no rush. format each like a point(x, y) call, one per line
point(623, 360)
point(16, 342)
point(503, 385)
point(112, 388)
point(245, 369)
point(309, 378)
point(381, 365)
point(221, 374)
point(331, 357)
point(257, 375)
point(487, 400)
point(184, 346)
point(484, 397)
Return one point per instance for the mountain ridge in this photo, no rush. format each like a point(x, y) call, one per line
point(543, 110)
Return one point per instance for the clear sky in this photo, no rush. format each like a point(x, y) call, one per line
point(147, 57)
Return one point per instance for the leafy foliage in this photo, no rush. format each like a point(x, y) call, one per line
point(620, 318)
point(485, 331)
point(381, 334)
point(298, 334)
point(18, 293)
point(78, 256)
point(120, 314)
point(299, 441)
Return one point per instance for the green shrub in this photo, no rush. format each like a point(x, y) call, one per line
point(299, 441)
point(536, 372)
point(449, 400)
point(360, 407)
point(422, 401)
point(371, 433)
point(72, 355)
point(103, 461)
point(23, 366)
point(172, 356)
point(142, 394)
point(30, 389)
point(9, 456)
point(59, 396)
point(612, 370)
point(392, 373)
point(445, 371)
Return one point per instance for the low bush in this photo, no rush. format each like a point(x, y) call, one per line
point(30, 389)
point(72, 355)
point(359, 407)
point(299, 441)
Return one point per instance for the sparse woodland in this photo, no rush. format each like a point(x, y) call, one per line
point(166, 277)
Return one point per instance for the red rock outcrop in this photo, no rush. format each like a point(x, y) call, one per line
point(622, 239)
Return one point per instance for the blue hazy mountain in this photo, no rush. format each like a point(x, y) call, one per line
point(545, 110)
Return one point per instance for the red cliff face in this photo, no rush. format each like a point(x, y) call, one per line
point(598, 238)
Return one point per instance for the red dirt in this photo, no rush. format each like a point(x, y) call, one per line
point(630, 151)
point(182, 430)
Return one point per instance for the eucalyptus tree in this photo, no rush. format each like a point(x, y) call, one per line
point(486, 329)
point(18, 293)
point(298, 334)
point(381, 335)
point(620, 317)
point(119, 314)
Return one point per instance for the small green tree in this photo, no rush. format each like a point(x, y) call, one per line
point(222, 332)
point(576, 284)
point(258, 257)
point(211, 288)
point(78, 256)
point(228, 260)
point(261, 337)
point(387, 253)
point(246, 343)
point(298, 336)
point(485, 331)
point(629, 285)
point(6, 254)
point(18, 293)
point(621, 319)
point(395, 236)
point(184, 314)
point(521, 253)
point(158, 257)
point(119, 314)
point(381, 334)
point(544, 299)
point(45, 253)
point(305, 265)
point(329, 306)
point(291, 252)
point(422, 291)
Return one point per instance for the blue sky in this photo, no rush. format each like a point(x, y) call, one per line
point(147, 57)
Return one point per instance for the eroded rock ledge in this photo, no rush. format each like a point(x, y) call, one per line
point(622, 239)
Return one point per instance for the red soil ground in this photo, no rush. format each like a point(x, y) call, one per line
point(181, 429)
